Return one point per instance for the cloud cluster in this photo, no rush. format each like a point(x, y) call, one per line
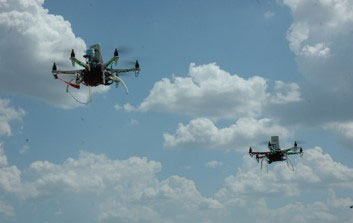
point(209, 94)
point(31, 40)
point(123, 190)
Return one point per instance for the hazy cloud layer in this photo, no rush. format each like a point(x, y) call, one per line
point(322, 45)
point(129, 191)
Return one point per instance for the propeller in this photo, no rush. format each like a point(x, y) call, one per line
point(250, 152)
point(124, 50)
point(300, 142)
point(54, 67)
point(72, 53)
point(130, 62)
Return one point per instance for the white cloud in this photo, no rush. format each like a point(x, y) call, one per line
point(129, 108)
point(6, 209)
point(24, 149)
point(213, 164)
point(117, 107)
point(8, 114)
point(3, 158)
point(318, 50)
point(269, 14)
point(209, 91)
point(320, 211)
point(286, 93)
point(203, 133)
point(134, 122)
point(31, 40)
point(123, 190)
point(344, 130)
point(321, 40)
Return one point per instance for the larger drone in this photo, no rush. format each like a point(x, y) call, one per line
point(277, 154)
point(95, 72)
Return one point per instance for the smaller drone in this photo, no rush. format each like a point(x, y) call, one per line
point(276, 153)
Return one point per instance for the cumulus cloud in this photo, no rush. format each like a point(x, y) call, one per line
point(8, 114)
point(269, 14)
point(213, 164)
point(203, 133)
point(31, 40)
point(123, 190)
point(209, 91)
point(285, 93)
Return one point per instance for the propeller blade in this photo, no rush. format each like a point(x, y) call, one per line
point(72, 53)
point(54, 67)
point(124, 50)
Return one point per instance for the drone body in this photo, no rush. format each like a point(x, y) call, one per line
point(275, 153)
point(95, 72)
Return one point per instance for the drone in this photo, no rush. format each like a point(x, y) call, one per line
point(95, 72)
point(277, 154)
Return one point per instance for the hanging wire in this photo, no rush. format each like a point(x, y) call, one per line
point(89, 98)
point(289, 164)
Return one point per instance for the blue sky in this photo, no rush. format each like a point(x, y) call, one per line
point(217, 77)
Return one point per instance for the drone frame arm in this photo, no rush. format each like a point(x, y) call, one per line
point(67, 71)
point(114, 60)
point(261, 153)
point(74, 61)
point(293, 153)
point(119, 71)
